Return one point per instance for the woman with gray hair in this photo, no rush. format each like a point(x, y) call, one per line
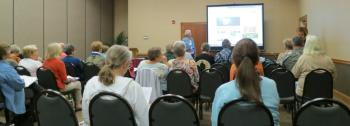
point(15, 53)
point(189, 42)
point(182, 63)
point(111, 78)
point(288, 47)
point(313, 57)
point(30, 59)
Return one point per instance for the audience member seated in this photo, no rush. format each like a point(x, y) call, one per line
point(189, 42)
point(11, 85)
point(248, 84)
point(76, 62)
point(288, 46)
point(56, 66)
point(169, 53)
point(156, 62)
point(30, 59)
point(62, 55)
point(259, 68)
point(96, 57)
point(205, 55)
point(111, 79)
point(302, 33)
point(182, 63)
point(314, 57)
point(292, 58)
point(224, 56)
point(14, 56)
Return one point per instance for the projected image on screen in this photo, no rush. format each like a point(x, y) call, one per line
point(235, 22)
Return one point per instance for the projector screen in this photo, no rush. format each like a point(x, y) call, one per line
point(234, 22)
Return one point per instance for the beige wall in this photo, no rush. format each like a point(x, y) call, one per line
point(329, 20)
point(152, 18)
point(121, 16)
point(41, 22)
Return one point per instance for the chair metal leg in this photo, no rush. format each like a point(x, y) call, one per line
point(200, 110)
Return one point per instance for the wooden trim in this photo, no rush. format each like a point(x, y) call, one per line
point(338, 61)
point(342, 97)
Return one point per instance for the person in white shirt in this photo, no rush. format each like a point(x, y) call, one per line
point(30, 59)
point(111, 79)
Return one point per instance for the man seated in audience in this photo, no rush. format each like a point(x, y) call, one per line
point(292, 58)
point(158, 63)
point(248, 84)
point(314, 57)
point(224, 56)
point(11, 85)
point(69, 49)
point(30, 59)
point(288, 47)
point(111, 78)
point(180, 62)
point(57, 67)
point(205, 55)
point(14, 57)
point(96, 57)
point(169, 53)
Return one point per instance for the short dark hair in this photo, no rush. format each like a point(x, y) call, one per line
point(4, 50)
point(69, 49)
point(298, 41)
point(226, 43)
point(153, 53)
point(205, 47)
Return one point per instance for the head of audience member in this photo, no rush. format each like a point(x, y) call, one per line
point(188, 33)
point(104, 48)
point(169, 48)
point(30, 51)
point(69, 49)
point(298, 42)
point(314, 46)
point(96, 46)
point(117, 64)
point(179, 49)
point(302, 32)
point(205, 47)
point(53, 50)
point(288, 45)
point(15, 50)
point(226, 43)
point(155, 54)
point(4, 51)
point(246, 56)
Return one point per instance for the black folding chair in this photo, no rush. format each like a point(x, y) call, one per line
point(110, 109)
point(318, 84)
point(269, 68)
point(244, 113)
point(90, 70)
point(210, 80)
point(22, 71)
point(224, 68)
point(285, 81)
point(322, 112)
point(53, 110)
point(172, 110)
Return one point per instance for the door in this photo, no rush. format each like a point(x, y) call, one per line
point(199, 33)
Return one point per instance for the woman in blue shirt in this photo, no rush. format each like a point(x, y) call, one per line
point(11, 85)
point(248, 84)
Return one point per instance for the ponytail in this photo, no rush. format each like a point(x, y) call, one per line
point(106, 75)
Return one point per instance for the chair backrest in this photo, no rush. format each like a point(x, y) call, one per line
point(71, 69)
point(179, 83)
point(285, 81)
point(90, 70)
point(22, 70)
point(172, 110)
point(269, 68)
point(322, 112)
point(52, 109)
point(244, 113)
point(224, 68)
point(203, 64)
point(318, 84)
point(210, 80)
point(110, 109)
point(46, 79)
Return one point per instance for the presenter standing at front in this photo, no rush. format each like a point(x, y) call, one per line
point(189, 42)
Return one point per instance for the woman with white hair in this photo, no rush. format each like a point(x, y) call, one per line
point(30, 59)
point(57, 67)
point(111, 78)
point(314, 57)
point(189, 42)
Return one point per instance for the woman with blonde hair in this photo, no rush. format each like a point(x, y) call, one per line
point(314, 57)
point(111, 78)
point(96, 56)
point(30, 59)
point(54, 63)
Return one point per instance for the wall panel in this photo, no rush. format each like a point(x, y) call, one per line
point(6, 22)
point(93, 22)
point(55, 21)
point(107, 20)
point(76, 26)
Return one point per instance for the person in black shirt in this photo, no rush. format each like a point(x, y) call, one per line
point(205, 55)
